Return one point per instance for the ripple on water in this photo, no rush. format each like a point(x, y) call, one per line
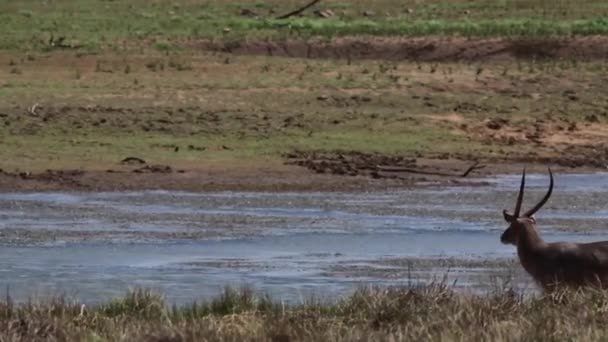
point(286, 244)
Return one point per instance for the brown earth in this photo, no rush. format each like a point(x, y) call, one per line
point(211, 178)
point(339, 171)
point(426, 49)
point(510, 114)
point(207, 179)
point(377, 166)
point(546, 141)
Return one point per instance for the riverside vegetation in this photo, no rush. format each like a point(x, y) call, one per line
point(431, 313)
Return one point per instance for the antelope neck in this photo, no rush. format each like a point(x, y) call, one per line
point(529, 237)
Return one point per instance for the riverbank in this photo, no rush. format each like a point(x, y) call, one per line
point(175, 121)
point(370, 96)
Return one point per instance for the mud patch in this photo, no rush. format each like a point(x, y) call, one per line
point(63, 178)
point(274, 178)
point(350, 163)
point(428, 49)
point(374, 165)
point(547, 141)
point(154, 169)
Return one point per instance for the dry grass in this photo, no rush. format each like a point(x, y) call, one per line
point(428, 313)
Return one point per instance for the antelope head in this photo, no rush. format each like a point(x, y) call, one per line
point(518, 223)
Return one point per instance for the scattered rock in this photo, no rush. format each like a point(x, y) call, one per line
point(245, 12)
point(61, 42)
point(348, 163)
point(534, 137)
point(322, 97)
point(496, 123)
point(572, 97)
point(133, 161)
point(196, 148)
point(369, 13)
point(592, 118)
point(154, 169)
point(327, 13)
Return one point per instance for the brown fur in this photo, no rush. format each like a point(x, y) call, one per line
point(559, 263)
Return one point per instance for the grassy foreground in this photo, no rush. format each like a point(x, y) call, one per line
point(397, 314)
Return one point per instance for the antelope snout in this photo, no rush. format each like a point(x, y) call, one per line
point(503, 238)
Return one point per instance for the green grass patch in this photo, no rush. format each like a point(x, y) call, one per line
point(468, 28)
point(47, 151)
point(93, 25)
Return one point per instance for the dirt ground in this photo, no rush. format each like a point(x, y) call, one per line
point(72, 121)
point(315, 174)
point(425, 49)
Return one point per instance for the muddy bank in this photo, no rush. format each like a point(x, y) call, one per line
point(300, 171)
point(426, 49)
point(443, 168)
point(283, 178)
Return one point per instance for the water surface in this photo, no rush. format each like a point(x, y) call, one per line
point(94, 246)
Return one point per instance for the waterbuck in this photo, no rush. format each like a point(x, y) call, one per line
point(565, 264)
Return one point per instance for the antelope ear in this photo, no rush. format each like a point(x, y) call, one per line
point(508, 217)
point(532, 219)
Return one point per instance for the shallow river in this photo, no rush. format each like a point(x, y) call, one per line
point(94, 246)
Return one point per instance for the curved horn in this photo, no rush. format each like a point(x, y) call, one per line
point(520, 196)
point(544, 200)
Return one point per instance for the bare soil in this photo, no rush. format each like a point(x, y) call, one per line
point(425, 49)
point(557, 142)
point(302, 171)
point(181, 115)
point(283, 178)
point(212, 178)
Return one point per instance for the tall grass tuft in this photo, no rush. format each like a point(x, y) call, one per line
point(431, 313)
point(142, 303)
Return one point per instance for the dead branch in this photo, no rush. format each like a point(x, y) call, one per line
point(475, 166)
point(470, 169)
point(299, 10)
